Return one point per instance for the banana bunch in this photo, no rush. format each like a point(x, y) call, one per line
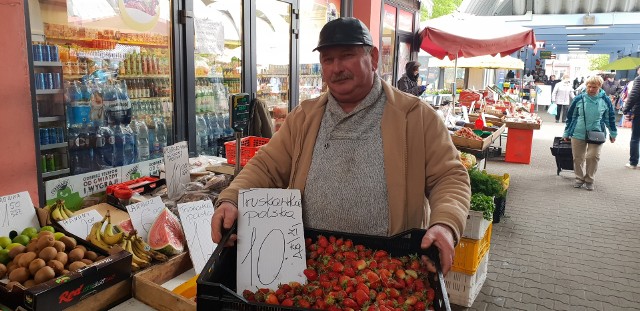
point(105, 237)
point(139, 250)
point(58, 211)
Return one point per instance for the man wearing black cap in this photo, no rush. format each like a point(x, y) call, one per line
point(367, 157)
point(409, 81)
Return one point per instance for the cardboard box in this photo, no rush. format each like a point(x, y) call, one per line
point(476, 226)
point(147, 285)
point(470, 143)
point(523, 126)
point(68, 290)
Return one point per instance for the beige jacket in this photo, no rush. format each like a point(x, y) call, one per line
point(420, 162)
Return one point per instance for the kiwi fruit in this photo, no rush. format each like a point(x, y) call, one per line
point(26, 259)
point(29, 283)
point(69, 242)
point(45, 273)
point(62, 257)
point(59, 246)
point(65, 271)
point(19, 275)
point(19, 249)
point(76, 254)
point(35, 265)
point(91, 255)
point(48, 253)
point(11, 266)
point(81, 247)
point(76, 265)
point(17, 258)
point(3, 271)
point(45, 241)
point(56, 266)
point(43, 233)
point(87, 261)
point(32, 246)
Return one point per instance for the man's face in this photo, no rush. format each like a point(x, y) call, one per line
point(348, 71)
point(592, 89)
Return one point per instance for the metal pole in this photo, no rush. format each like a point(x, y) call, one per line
point(238, 155)
point(455, 76)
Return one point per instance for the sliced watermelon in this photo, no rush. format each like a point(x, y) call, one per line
point(166, 234)
point(126, 225)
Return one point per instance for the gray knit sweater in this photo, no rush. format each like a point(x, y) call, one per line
point(346, 188)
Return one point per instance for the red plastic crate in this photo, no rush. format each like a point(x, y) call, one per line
point(248, 148)
point(519, 143)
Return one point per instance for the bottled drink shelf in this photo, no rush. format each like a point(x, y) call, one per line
point(46, 92)
point(47, 64)
point(56, 173)
point(50, 119)
point(53, 146)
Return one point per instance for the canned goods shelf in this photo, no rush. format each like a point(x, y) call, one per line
point(56, 173)
point(48, 91)
point(53, 146)
point(47, 64)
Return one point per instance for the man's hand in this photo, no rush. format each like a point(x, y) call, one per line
point(612, 139)
point(223, 217)
point(442, 237)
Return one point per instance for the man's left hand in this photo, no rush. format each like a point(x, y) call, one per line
point(442, 237)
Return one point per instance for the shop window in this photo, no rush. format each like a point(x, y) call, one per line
point(388, 44)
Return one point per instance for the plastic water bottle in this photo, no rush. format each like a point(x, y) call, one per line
point(104, 147)
point(228, 131)
point(111, 105)
point(142, 140)
point(161, 137)
point(80, 150)
point(128, 145)
point(202, 135)
point(124, 102)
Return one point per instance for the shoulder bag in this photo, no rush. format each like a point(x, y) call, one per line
point(592, 137)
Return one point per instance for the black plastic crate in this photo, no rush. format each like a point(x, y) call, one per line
point(564, 156)
point(501, 206)
point(217, 281)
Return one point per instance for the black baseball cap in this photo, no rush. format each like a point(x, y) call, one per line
point(344, 31)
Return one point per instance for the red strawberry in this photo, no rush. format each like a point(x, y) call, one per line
point(333, 308)
point(380, 254)
point(373, 264)
point(415, 263)
point(303, 303)
point(393, 293)
point(348, 302)
point(329, 250)
point(348, 271)
point(272, 299)
point(372, 277)
point(311, 274)
point(322, 241)
point(332, 239)
point(361, 297)
point(337, 267)
point(287, 302)
point(248, 295)
point(348, 243)
point(400, 274)
point(411, 273)
point(411, 300)
point(381, 296)
point(360, 264)
point(420, 306)
point(350, 255)
point(430, 294)
point(339, 242)
point(363, 287)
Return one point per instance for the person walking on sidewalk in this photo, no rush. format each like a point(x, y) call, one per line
point(562, 95)
point(366, 157)
point(589, 111)
point(631, 111)
point(408, 83)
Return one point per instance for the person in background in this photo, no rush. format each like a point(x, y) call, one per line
point(552, 81)
point(562, 95)
point(589, 111)
point(583, 86)
point(528, 78)
point(511, 74)
point(409, 81)
point(631, 111)
point(576, 83)
point(341, 151)
point(611, 87)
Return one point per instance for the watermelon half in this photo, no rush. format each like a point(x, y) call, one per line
point(126, 226)
point(166, 234)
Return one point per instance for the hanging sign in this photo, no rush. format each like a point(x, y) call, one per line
point(176, 168)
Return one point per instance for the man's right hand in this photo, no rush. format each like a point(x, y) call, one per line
point(223, 217)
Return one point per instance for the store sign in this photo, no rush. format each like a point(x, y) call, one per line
point(545, 54)
point(209, 36)
point(271, 246)
point(73, 189)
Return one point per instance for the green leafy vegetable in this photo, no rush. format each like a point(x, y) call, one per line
point(481, 182)
point(483, 203)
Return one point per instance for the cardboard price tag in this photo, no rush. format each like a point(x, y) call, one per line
point(271, 247)
point(144, 214)
point(80, 225)
point(16, 213)
point(176, 168)
point(196, 224)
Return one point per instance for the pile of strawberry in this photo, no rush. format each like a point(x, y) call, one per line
point(342, 276)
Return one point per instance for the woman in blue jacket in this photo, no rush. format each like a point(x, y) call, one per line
point(590, 111)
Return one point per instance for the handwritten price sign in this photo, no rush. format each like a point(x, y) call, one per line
point(80, 225)
point(271, 248)
point(196, 223)
point(176, 168)
point(16, 213)
point(144, 214)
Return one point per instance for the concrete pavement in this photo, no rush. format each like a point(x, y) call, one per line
point(561, 248)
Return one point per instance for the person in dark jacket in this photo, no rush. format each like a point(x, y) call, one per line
point(632, 111)
point(408, 83)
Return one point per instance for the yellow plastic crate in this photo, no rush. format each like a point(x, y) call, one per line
point(469, 253)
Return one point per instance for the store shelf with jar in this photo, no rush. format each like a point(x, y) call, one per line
point(310, 80)
point(47, 71)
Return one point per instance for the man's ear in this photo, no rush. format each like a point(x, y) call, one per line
point(375, 58)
